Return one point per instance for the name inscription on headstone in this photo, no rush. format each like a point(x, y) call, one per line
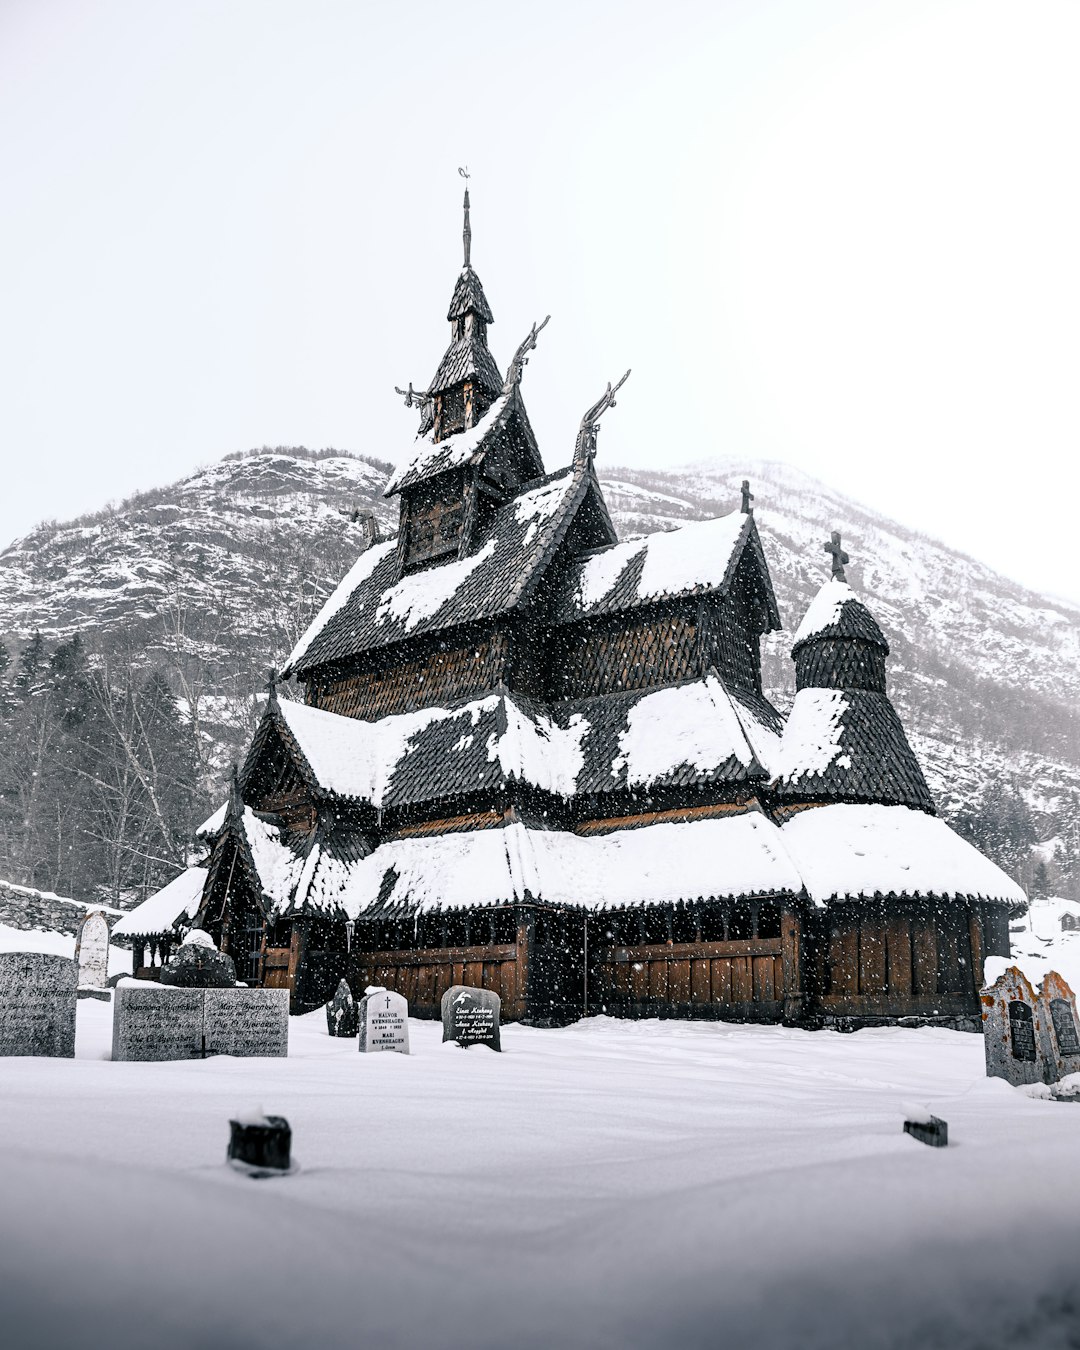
point(384, 1021)
point(246, 1022)
point(1061, 1014)
point(1022, 1031)
point(1013, 1030)
point(156, 1022)
point(37, 1004)
point(471, 1016)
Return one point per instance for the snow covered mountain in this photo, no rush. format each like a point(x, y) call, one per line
point(215, 577)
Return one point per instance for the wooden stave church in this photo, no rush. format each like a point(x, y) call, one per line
point(402, 827)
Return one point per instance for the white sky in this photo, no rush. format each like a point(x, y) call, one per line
point(845, 235)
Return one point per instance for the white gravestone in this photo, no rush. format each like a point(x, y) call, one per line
point(384, 1021)
point(92, 951)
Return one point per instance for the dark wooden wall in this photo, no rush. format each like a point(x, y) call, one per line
point(410, 676)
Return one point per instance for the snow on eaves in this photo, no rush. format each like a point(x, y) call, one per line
point(846, 852)
point(174, 904)
point(278, 867)
point(824, 610)
point(811, 741)
point(656, 864)
point(213, 824)
point(354, 578)
point(420, 595)
point(696, 557)
point(693, 724)
point(429, 457)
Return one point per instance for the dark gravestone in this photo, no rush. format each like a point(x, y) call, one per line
point(341, 1012)
point(471, 1016)
point(260, 1145)
point(1061, 1015)
point(1022, 1031)
point(384, 1021)
point(929, 1130)
point(246, 1022)
point(37, 1004)
point(153, 1023)
point(199, 965)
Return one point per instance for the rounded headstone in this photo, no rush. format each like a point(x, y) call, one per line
point(198, 966)
point(471, 1016)
point(342, 1013)
point(383, 1016)
point(92, 951)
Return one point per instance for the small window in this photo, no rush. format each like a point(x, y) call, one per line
point(768, 924)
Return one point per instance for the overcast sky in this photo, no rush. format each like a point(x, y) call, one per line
point(844, 235)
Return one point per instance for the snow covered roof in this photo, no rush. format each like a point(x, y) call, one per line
point(836, 611)
point(848, 744)
point(696, 732)
point(161, 912)
point(213, 823)
point(695, 559)
point(848, 852)
point(429, 457)
point(374, 607)
point(732, 856)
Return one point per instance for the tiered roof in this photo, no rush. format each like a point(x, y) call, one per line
point(843, 740)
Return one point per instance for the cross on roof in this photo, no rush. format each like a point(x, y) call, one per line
point(839, 557)
point(747, 498)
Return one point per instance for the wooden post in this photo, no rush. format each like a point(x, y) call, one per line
point(975, 929)
point(791, 957)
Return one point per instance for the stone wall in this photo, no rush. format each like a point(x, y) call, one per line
point(23, 908)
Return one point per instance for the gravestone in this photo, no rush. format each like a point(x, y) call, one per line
point(37, 1004)
point(246, 1022)
point(342, 1013)
point(92, 951)
point(384, 1021)
point(155, 1022)
point(1061, 1031)
point(471, 1016)
point(198, 964)
point(1013, 1034)
point(152, 1022)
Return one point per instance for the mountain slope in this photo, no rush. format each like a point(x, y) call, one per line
point(215, 576)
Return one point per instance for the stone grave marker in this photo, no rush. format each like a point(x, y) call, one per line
point(197, 964)
point(384, 1021)
point(471, 1016)
point(342, 1013)
point(37, 1004)
point(246, 1022)
point(92, 951)
point(1061, 1031)
point(153, 1022)
point(1013, 1035)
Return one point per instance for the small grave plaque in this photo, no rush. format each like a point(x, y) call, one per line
point(246, 1022)
point(37, 1004)
point(1013, 1032)
point(1064, 1023)
point(471, 1016)
point(341, 1012)
point(92, 951)
point(153, 1023)
point(260, 1145)
point(384, 1021)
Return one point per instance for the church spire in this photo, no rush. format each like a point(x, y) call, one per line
point(466, 233)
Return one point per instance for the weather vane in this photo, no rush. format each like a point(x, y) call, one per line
point(465, 172)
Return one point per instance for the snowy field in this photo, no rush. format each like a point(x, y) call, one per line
point(613, 1184)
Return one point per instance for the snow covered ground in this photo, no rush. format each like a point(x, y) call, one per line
point(609, 1185)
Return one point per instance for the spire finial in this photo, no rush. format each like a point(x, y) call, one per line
point(585, 446)
point(466, 233)
point(839, 557)
point(747, 498)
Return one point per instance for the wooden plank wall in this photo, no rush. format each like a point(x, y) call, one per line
point(690, 979)
point(424, 975)
point(883, 962)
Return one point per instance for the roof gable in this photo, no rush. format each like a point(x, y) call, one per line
point(696, 559)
